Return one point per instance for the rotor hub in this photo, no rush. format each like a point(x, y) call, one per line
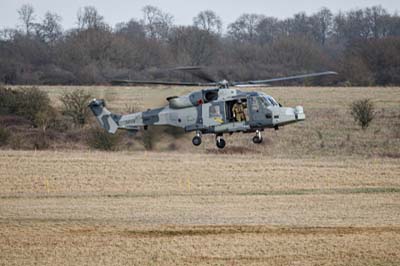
point(223, 84)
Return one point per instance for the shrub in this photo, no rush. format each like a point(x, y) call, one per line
point(4, 136)
point(46, 118)
point(101, 140)
point(75, 105)
point(17, 142)
point(25, 102)
point(363, 112)
point(7, 101)
point(31, 101)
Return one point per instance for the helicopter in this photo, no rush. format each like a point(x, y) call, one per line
point(218, 109)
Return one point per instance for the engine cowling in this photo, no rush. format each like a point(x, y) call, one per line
point(179, 102)
point(192, 99)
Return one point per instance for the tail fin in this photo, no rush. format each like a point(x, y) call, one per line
point(107, 120)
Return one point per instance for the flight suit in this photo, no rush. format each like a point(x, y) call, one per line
point(238, 112)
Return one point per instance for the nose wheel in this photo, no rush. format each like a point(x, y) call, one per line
point(197, 139)
point(220, 142)
point(257, 139)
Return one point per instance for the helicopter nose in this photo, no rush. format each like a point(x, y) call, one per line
point(288, 115)
point(299, 113)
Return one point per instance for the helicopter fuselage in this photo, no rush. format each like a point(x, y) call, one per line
point(210, 111)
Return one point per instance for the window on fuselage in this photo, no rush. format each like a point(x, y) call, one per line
point(215, 111)
point(211, 95)
point(255, 104)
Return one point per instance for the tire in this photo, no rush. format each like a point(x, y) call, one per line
point(221, 143)
point(196, 141)
point(257, 140)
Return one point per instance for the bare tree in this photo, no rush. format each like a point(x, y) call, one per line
point(363, 112)
point(8, 34)
point(245, 27)
point(157, 23)
point(192, 46)
point(377, 18)
point(362, 44)
point(268, 29)
point(89, 18)
point(299, 25)
point(132, 29)
point(322, 23)
point(209, 21)
point(352, 26)
point(27, 17)
point(393, 24)
point(50, 29)
point(75, 105)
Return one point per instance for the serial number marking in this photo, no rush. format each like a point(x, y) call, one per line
point(126, 122)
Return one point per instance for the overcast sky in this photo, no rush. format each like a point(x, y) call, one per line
point(115, 11)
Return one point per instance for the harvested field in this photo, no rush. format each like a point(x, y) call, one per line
point(322, 192)
point(172, 208)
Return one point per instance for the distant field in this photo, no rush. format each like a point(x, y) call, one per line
point(329, 129)
point(173, 208)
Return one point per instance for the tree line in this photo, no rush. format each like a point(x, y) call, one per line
point(363, 45)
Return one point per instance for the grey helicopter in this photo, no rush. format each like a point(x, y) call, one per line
point(218, 109)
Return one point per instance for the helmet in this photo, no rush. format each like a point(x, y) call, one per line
point(239, 101)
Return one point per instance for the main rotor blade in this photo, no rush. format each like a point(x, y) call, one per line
point(187, 68)
point(266, 81)
point(171, 83)
point(197, 71)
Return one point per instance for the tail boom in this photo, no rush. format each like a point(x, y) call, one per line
point(106, 119)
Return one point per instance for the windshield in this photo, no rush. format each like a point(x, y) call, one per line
point(269, 100)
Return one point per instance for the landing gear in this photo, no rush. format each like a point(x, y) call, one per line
point(197, 139)
point(220, 142)
point(257, 139)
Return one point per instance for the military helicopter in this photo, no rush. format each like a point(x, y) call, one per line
point(219, 109)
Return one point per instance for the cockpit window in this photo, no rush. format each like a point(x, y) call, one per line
point(275, 103)
point(270, 101)
point(265, 101)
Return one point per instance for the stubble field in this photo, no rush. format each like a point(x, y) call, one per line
point(300, 199)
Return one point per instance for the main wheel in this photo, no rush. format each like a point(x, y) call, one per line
point(196, 141)
point(221, 143)
point(257, 140)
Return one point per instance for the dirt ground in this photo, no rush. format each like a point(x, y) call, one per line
point(170, 208)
